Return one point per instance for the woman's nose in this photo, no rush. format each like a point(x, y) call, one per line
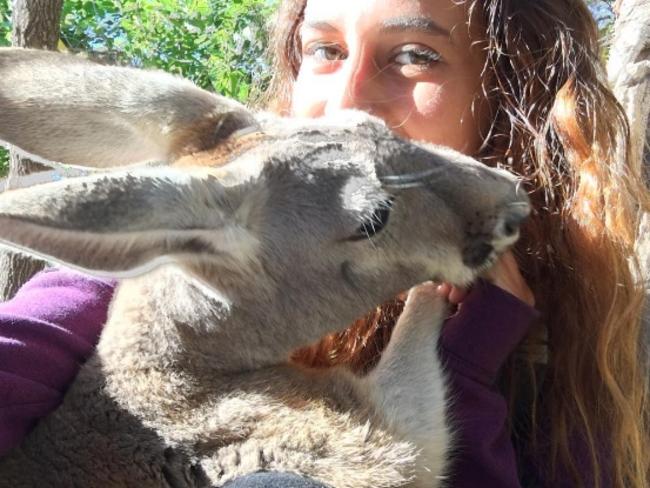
point(355, 85)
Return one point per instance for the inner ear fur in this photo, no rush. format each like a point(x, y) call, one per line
point(215, 133)
point(66, 109)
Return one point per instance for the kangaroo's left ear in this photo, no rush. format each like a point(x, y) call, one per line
point(65, 109)
point(123, 224)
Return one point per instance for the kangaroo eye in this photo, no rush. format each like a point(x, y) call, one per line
point(375, 223)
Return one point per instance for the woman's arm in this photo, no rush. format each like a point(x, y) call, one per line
point(47, 331)
point(268, 479)
point(474, 344)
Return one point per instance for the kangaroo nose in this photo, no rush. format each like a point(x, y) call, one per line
point(504, 233)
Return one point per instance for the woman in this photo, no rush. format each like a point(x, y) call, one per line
point(517, 85)
point(514, 83)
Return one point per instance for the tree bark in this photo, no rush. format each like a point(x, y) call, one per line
point(35, 25)
point(628, 70)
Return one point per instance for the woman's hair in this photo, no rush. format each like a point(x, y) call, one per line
point(555, 123)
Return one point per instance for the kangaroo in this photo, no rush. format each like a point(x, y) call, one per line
point(238, 238)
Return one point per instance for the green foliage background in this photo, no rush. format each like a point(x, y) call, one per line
point(218, 44)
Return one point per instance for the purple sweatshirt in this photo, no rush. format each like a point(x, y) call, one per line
point(52, 326)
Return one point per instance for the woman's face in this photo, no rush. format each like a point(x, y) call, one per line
point(409, 62)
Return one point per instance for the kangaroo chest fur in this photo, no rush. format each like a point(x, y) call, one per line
point(147, 411)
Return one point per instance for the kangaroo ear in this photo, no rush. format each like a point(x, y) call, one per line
point(65, 109)
point(124, 224)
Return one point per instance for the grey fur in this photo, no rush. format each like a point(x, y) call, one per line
point(230, 268)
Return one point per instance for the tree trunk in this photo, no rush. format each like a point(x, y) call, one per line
point(628, 69)
point(35, 25)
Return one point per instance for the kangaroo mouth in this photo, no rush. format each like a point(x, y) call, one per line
point(478, 255)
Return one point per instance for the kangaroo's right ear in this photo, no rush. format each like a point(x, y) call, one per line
point(66, 109)
point(124, 223)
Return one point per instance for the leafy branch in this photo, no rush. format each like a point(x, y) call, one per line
point(218, 44)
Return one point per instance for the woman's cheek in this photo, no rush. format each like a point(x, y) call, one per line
point(306, 96)
point(426, 117)
point(443, 117)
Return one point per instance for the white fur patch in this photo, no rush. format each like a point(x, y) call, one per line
point(359, 193)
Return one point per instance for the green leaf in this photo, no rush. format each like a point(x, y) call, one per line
point(219, 44)
point(4, 162)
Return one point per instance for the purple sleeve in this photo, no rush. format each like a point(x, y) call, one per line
point(47, 331)
point(475, 343)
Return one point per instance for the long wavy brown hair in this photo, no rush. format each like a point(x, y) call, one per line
point(555, 123)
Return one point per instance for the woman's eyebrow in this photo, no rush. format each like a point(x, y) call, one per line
point(424, 25)
point(418, 24)
point(320, 25)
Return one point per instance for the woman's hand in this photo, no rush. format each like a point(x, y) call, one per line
point(505, 274)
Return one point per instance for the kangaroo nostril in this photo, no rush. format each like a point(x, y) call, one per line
point(510, 227)
point(513, 218)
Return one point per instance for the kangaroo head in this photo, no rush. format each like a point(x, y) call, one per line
point(341, 207)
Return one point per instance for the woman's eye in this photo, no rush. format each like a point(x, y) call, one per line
point(325, 52)
point(414, 55)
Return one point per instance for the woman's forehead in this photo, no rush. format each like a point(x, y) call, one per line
point(440, 15)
